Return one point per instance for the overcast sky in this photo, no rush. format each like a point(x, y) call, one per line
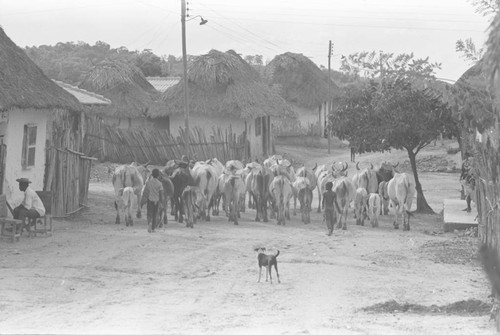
point(428, 28)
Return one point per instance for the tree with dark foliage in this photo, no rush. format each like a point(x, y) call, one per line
point(392, 113)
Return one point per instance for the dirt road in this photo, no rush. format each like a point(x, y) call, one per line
point(95, 277)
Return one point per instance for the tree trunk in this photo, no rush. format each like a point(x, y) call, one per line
point(422, 205)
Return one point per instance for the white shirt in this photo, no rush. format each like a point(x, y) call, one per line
point(32, 200)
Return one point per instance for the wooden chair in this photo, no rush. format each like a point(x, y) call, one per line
point(10, 229)
point(42, 225)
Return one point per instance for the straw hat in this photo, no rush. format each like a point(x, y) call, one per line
point(23, 180)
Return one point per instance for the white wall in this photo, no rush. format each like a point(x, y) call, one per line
point(307, 116)
point(13, 138)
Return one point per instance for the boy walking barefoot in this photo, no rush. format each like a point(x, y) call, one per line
point(329, 205)
point(152, 195)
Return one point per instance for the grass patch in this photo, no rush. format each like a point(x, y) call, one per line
point(464, 307)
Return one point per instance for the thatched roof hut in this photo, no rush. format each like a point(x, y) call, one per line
point(472, 99)
point(300, 81)
point(222, 83)
point(24, 85)
point(128, 89)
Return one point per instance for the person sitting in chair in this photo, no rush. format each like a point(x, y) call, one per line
point(32, 206)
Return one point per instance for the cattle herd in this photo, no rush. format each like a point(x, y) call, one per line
point(196, 190)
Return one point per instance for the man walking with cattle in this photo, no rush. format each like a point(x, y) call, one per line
point(329, 206)
point(152, 196)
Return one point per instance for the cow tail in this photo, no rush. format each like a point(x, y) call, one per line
point(407, 188)
point(277, 254)
point(209, 176)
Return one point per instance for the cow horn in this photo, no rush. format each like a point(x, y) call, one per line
point(371, 166)
point(395, 166)
point(346, 166)
point(315, 166)
point(357, 166)
point(147, 163)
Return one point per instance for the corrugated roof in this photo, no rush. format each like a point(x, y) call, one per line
point(161, 84)
point(85, 97)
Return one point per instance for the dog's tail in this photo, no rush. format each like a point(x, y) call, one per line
point(277, 253)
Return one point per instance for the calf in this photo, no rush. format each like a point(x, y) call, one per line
point(360, 205)
point(374, 206)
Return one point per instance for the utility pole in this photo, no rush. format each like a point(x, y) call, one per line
point(184, 65)
point(330, 49)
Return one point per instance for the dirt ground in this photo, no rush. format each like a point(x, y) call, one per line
point(95, 277)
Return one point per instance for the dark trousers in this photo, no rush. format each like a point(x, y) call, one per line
point(330, 218)
point(21, 212)
point(152, 212)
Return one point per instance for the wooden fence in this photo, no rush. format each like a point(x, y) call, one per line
point(67, 177)
point(487, 165)
point(157, 146)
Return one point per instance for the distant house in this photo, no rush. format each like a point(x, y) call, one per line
point(36, 116)
point(225, 91)
point(85, 97)
point(161, 84)
point(303, 85)
point(130, 93)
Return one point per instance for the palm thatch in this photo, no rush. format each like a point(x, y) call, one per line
point(492, 56)
point(300, 81)
point(24, 85)
point(472, 99)
point(222, 83)
point(128, 89)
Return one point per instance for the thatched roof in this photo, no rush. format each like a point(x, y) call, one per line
point(130, 93)
point(222, 83)
point(300, 81)
point(492, 56)
point(472, 98)
point(475, 76)
point(24, 85)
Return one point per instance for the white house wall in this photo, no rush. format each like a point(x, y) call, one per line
point(13, 138)
point(307, 116)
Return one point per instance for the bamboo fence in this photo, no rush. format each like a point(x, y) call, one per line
point(157, 146)
point(487, 165)
point(67, 177)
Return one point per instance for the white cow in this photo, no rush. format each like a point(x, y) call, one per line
point(128, 176)
point(360, 200)
point(401, 190)
point(281, 192)
point(374, 207)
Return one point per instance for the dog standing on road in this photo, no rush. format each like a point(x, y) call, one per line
point(268, 261)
